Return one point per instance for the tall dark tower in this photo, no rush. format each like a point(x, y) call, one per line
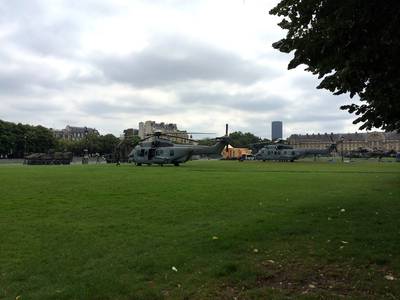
point(276, 130)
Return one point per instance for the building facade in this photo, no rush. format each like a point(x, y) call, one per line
point(130, 132)
point(74, 133)
point(385, 141)
point(276, 130)
point(149, 127)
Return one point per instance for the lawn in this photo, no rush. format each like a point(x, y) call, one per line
point(204, 230)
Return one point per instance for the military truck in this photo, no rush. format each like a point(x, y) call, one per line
point(50, 158)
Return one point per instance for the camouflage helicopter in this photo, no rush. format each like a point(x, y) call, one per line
point(282, 152)
point(162, 151)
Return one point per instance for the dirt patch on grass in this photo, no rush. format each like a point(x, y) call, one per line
point(296, 280)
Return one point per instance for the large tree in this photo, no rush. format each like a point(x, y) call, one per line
point(240, 139)
point(17, 139)
point(354, 45)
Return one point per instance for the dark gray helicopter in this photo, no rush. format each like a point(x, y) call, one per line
point(281, 152)
point(162, 151)
point(368, 153)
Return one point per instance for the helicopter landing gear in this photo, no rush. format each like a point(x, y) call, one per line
point(138, 164)
point(176, 164)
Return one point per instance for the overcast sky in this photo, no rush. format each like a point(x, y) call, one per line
point(198, 63)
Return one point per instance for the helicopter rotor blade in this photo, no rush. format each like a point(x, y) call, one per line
point(200, 132)
point(159, 134)
point(146, 138)
point(178, 137)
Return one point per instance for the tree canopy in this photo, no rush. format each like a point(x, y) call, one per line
point(354, 46)
point(237, 138)
point(18, 139)
point(94, 143)
point(240, 139)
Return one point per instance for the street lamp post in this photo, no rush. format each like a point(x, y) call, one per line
point(25, 137)
point(342, 139)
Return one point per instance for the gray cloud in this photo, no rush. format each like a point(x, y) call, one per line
point(36, 77)
point(20, 10)
point(113, 109)
point(34, 106)
point(36, 30)
point(42, 59)
point(176, 59)
point(27, 81)
point(57, 39)
point(307, 116)
point(243, 101)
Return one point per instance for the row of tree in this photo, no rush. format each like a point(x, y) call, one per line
point(238, 139)
point(16, 140)
point(102, 144)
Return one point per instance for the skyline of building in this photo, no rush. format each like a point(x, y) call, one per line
point(375, 140)
point(351, 141)
point(149, 127)
point(74, 133)
point(276, 130)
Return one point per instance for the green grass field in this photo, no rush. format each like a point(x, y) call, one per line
point(247, 230)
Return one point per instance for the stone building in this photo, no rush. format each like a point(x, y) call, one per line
point(150, 127)
point(74, 133)
point(376, 140)
point(130, 132)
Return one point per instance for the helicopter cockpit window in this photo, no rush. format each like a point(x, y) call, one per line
point(141, 152)
point(171, 152)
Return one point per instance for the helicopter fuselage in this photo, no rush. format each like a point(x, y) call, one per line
point(163, 152)
point(288, 153)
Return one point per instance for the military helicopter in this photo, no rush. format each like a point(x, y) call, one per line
point(162, 151)
point(281, 152)
point(368, 153)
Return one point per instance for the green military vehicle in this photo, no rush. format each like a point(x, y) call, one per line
point(50, 158)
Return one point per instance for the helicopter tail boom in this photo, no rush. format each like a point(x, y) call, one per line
point(214, 149)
